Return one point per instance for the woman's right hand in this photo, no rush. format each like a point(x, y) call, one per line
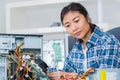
point(55, 75)
point(61, 75)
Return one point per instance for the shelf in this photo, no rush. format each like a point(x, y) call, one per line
point(38, 2)
point(39, 30)
point(37, 17)
point(34, 16)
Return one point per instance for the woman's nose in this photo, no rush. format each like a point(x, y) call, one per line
point(73, 27)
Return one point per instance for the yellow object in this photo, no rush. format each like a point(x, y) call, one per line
point(81, 79)
point(103, 75)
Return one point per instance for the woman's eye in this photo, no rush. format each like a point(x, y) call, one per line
point(67, 26)
point(76, 21)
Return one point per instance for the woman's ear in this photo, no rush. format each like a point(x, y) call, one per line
point(88, 19)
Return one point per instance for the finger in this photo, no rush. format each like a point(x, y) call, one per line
point(54, 76)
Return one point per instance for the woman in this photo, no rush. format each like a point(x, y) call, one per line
point(93, 48)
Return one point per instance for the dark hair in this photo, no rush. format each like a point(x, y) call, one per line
point(76, 7)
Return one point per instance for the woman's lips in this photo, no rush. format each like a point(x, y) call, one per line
point(78, 33)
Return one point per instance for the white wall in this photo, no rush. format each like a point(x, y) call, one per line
point(2, 13)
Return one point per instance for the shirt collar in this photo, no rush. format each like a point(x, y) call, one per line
point(97, 33)
point(93, 39)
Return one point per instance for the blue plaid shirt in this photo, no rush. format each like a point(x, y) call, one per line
point(103, 51)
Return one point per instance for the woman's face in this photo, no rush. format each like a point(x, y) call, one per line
point(77, 25)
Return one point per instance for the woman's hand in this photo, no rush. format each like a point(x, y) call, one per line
point(61, 75)
point(55, 75)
